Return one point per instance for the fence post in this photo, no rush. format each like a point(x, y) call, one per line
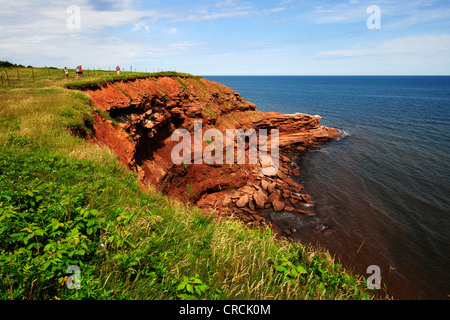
point(7, 78)
point(48, 71)
point(32, 73)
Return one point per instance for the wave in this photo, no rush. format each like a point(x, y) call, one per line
point(344, 134)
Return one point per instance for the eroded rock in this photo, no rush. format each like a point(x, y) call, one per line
point(149, 109)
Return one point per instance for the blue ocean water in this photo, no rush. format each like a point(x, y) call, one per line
point(384, 186)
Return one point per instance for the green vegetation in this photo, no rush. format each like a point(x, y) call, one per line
point(65, 202)
point(17, 76)
point(107, 116)
point(182, 84)
point(105, 76)
point(210, 113)
point(7, 64)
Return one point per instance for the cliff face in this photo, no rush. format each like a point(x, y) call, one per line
point(137, 118)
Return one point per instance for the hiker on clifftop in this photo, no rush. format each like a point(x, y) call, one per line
point(79, 71)
point(118, 69)
point(66, 72)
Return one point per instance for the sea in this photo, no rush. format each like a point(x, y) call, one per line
point(383, 187)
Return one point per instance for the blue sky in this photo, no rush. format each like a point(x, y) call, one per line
point(230, 37)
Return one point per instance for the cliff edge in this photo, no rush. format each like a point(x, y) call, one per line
point(137, 119)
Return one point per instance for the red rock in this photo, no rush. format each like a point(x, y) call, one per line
point(260, 198)
point(271, 187)
point(278, 205)
point(286, 193)
point(242, 202)
point(177, 113)
point(266, 165)
point(296, 197)
point(307, 198)
point(257, 218)
point(265, 184)
point(281, 175)
point(322, 229)
point(274, 196)
point(246, 217)
point(309, 213)
point(251, 205)
point(290, 181)
point(248, 211)
point(226, 201)
point(149, 109)
point(281, 184)
point(285, 158)
point(256, 187)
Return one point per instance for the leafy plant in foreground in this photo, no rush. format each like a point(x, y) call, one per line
point(289, 270)
point(191, 288)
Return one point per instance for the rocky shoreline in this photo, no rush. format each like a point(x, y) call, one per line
point(136, 117)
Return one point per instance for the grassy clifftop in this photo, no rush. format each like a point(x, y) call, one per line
point(65, 202)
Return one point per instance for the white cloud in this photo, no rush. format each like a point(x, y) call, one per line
point(186, 45)
point(172, 30)
point(204, 15)
point(335, 13)
point(428, 54)
point(273, 10)
point(51, 18)
point(226, 3)
point(398, 14)
point(411, 45)
point(138, 26)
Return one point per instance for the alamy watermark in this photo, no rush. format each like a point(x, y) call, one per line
point(374, 281)
point(74, 281)
point(374, 20)
point(213, 152)
point(74, 19)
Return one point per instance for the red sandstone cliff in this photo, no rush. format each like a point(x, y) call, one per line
point(147, 110)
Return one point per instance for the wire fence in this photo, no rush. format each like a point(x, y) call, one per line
point(18, 77)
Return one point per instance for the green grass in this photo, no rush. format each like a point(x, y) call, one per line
point(106, 76)
point(182, 84)
point(41, 77)
point(65, 202)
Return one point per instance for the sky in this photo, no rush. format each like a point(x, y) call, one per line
point(231, 37)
